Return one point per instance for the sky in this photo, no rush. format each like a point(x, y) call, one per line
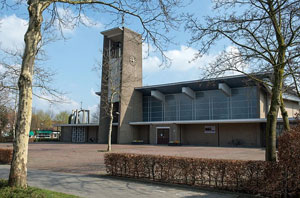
point(74, 58)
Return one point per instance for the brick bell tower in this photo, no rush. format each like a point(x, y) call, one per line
point(121, 73)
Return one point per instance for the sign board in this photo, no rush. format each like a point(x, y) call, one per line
point(209, 129)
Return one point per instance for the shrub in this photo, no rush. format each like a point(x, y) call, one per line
point(45, 140)
point(6, 139)
point(274, 179)
point(289, 161)
point(5, 156)
point(233, 175)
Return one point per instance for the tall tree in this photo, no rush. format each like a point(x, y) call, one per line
point(10, 69)
point(10, 64)
point(155, 18)
point(62, 117)
point(265, 35)
point(96, 114)
point(4, 118)
point(112, 76)
point(41, 120)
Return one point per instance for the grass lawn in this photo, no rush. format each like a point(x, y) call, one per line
point(30, 192)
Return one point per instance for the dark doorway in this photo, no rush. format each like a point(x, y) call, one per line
point(116, 112)
point(163, 136)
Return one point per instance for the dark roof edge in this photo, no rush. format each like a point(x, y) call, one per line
point(105, 32)
point(203, 80)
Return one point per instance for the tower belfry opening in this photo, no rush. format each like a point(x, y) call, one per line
point(115, 49)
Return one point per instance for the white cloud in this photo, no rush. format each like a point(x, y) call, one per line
point(151, 64)
point(90, 22)
point(147, 50)
point(93, 108)
point(65, 24)
point(181, 61)
point(12, 30)
point(68, 105)
point(68, 21)
point(93, 92)
point(184, 66)
point(233, 61)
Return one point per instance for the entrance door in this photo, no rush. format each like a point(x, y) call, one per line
point(163, 136)
point(78, 134)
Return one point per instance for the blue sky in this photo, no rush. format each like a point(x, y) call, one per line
point(74, 58)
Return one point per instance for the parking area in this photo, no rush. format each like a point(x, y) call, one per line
point(89, 158)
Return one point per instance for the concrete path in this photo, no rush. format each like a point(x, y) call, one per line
point(108, 187)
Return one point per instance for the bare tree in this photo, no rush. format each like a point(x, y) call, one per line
point(4, 120)
point(294, 77)
point(96, 114)
point(62, 117)
point(155, 18)
point(41, 120)
point(111, 74)
point(266, 36)
point(230, 61)
point(42, 84)
point(43, 77)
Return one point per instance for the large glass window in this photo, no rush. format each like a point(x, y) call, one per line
point(170, 107)
point(244, 103)
point(146, 109)
point(219, 105)
point(208, 105)
point(156, 110)
point(202, 106)
point(186, 107)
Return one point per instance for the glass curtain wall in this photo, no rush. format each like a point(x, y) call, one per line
point(208, 105)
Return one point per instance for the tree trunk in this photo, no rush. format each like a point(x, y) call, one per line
point(277, 84)
point(15, 116)
point(272, 117)
point(18, 170)
point(110, 125)
point(284, 114)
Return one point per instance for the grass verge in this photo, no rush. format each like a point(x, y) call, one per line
point(30, 192)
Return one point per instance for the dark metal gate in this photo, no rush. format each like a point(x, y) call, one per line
point(78, 134)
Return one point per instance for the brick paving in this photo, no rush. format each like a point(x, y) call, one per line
point(89, 158)
point(101, 186)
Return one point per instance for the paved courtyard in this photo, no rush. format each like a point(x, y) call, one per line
point(100, 186)
point(89, 158)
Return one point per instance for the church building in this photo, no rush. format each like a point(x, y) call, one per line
point(227, 111)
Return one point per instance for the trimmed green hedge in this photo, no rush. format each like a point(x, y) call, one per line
point(233, 175)
point(274, 179)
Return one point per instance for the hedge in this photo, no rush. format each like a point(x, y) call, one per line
point(5, 156)
point(289, 161)
point(233, 175)
point(274, 179)
point(6, 139)
point(45, 140)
